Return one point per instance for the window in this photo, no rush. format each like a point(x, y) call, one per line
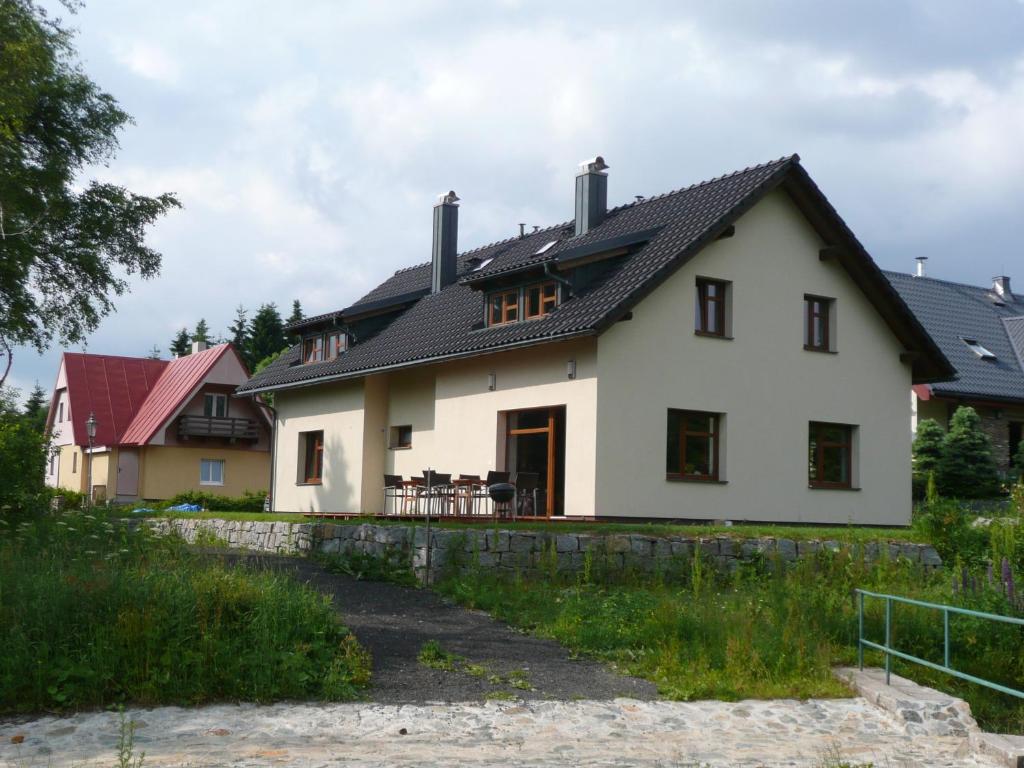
point(53, 463)
point(541, 299)
point(335, 345)
point(692, 449)
point(312, 458)
point(504, 307)
point(211, 472)
point(710, 315)
point(313, 349)
point(60, 411)
point(978, 349)
point(400, 437)
point(215, 405)
point(74, 461)
point(830, 449)
point(816, 323)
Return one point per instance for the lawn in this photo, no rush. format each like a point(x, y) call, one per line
point(758, 634)
point(94, 614)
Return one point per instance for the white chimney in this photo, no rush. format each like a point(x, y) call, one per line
point(1001, 285)
point(591, 194)
point(920, 265)
point(199, 346)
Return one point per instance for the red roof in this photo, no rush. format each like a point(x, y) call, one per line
point(113, 388)
point(172, 390)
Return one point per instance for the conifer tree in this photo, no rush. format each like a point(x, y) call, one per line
point(296, 315)
point(239, 330)
point(181, 344)
point(266, 335)
point(154, 353)
point(202, 331)
point(927, 449)
point(966, 468)
point(37, 408)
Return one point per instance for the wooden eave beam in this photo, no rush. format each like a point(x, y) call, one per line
point(830, 253)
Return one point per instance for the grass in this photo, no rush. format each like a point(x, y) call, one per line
point(761, 633)
point(434, 656)
point(94, 614)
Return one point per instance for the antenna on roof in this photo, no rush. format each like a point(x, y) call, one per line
point(639, 198)
point(920, 264)
point(536, 227)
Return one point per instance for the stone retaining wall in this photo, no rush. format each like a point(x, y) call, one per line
point(556, 550)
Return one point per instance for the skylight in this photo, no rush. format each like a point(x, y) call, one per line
point(483, 264)
point(978, 349)
point(545, 248)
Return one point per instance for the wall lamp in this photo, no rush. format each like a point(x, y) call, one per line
point(570, 369)
point(492, 382)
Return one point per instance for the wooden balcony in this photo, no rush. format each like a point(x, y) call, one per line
point(213, 426)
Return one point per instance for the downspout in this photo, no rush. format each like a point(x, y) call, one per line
point(558, 278)
point(258, 402)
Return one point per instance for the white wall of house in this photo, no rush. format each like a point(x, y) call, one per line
point(767, 385)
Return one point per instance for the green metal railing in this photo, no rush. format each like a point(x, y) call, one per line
point(889, 651)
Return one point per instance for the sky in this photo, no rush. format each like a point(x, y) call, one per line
point(308, 141)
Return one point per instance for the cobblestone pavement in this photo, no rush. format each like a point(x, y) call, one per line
point(621, 732)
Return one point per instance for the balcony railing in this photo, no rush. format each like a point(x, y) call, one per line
point(215, 426)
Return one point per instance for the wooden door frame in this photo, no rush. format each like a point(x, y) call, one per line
point(549, 430)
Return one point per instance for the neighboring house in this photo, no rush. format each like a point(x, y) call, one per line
point(981, 332)
point(725, 351)
point(161, 427)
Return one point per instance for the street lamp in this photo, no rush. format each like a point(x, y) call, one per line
point(90, 431)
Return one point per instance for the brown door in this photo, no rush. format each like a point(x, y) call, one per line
point(536, 444)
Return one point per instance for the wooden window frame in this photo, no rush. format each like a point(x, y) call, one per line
point(509, 300)
point(335, 342)
point(313, 349)
point(395, 442)
point(214, 397)
point(810, 316)
point(312, 457)
point(704, 305)
point(815, 431)
point(714, 434)
point(545, 304)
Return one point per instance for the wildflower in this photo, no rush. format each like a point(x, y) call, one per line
point(1008, 580)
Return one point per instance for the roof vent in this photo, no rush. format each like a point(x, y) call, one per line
point(920, 265)
point(979, 349)
point(591, 194)
point(1001, 286)
point(445, 251)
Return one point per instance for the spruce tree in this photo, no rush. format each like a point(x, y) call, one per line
point(266, 334)
point(202, 331)
point(239, 330)
point(154, 353)
point(181, 344)
point(37, 408)
point(296, 315)
point(966, 468)
point(927, 449)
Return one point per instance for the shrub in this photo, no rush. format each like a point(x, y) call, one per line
point(23, 455)
point(1018, 460)
point(927, 449)
point(966, 468)
point(946, 524)
point(250, 501)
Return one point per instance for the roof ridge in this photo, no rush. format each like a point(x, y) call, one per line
point(956, 283)
point(114, 357)
point(715, 180)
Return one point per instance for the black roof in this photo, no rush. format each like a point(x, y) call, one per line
point(673, 227)
point(952, 312)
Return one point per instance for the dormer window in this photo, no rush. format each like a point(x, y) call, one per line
point(978, 349)
point(530, 302)
point(322, 347)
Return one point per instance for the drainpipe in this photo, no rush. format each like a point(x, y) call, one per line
point(258, 402)
point(557, 277)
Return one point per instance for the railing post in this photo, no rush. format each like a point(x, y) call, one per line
point(860, 631)
point(888, 635)
point(945, 628)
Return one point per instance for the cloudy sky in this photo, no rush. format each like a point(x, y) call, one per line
point(308, 141)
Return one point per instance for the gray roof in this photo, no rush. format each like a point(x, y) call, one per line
point(675, 226)
point(952, 312)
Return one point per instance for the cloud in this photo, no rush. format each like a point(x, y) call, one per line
point(148, 61)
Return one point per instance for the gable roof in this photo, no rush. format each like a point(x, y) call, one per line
point(111, 387)
point(952, 312)
point(676, 225)
point(176, 386)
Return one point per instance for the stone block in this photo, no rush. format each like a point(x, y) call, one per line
point(488, 559)
point(330, 546)
point(642, 546)
point(682, 547)
point(662, 549)
point(567, 542)
point(728, 546)
point(590, 542)
point(707, 546)
point(522, 542)
point(515, 559)
point(498, 541)
point(930, 558)
point(808, 548)
point(911, 552)
point(617, 543)
point(786, 549)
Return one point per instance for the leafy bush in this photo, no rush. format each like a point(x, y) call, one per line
point(68, 499)
point(966, 468)
point(93, 613)
point(946, 524)
point(250, 501)
point(1018, 460)
point(23, 455)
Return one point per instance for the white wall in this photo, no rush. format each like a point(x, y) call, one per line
point(768, 386)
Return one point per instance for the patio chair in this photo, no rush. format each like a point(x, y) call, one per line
point(526, 492)
point(469, 485)
point(393, 490)
point(437, 488)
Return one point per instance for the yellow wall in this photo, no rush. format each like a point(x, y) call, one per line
point(767, 385)
point(165, 471)
point(72, 481)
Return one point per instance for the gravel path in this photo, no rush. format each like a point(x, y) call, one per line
point(394, 622)
point(538, 733)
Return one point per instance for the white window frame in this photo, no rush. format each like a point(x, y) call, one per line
point(979, 349)
point(217, 397)
point(203, 464)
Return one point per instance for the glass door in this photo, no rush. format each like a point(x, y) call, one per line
point(536, 453)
